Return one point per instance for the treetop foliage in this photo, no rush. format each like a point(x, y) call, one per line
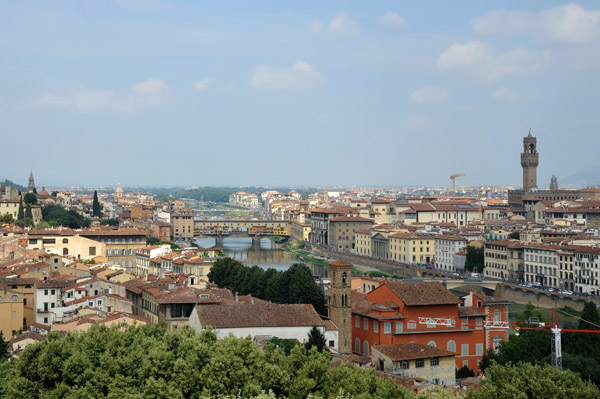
point(56, 215)
point(150, 362)
point(295, 285)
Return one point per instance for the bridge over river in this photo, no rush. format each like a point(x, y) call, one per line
point(220, 229)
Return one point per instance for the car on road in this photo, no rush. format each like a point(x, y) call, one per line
point(529, 285)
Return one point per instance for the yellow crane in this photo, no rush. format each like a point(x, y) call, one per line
point(453, 178)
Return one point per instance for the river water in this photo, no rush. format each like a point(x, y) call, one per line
point(267, 256)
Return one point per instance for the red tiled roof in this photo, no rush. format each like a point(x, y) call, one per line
point(410, 351)
point(259, 315)
point(422, 293)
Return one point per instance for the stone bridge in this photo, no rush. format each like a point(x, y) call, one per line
point(220, 229)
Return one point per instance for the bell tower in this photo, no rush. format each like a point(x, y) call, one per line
point(529, 162)
point(340, 304)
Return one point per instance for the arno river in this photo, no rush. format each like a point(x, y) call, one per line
point(266, 257)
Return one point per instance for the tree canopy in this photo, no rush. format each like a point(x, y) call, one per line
point(474, 259)
point(96, 208)
point(30, 198)
point(58, 216)
point(525, 380)
point(295, 285)
point(150, 362)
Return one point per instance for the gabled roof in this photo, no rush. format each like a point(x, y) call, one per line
point(258, 315)
point(410, 351)
point(422, 293)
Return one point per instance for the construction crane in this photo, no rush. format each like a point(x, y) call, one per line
point(453, 178)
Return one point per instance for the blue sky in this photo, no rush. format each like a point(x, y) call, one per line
point(308, 93)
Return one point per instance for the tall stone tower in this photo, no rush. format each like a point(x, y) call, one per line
point(340, 302)
point(554, 183)
point(31, 185)
point(529, 162)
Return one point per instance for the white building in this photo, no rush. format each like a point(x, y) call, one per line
point(446, 246)
point(285, 321)
point(541, 265)
point(587, 267)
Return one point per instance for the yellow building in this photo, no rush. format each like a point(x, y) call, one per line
point(64, 242)
point(412, 248)
point(363, 242)
point(11, 312)
point(26, 288)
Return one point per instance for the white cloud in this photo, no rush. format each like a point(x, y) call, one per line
point(299, 76)
point(429, 94)
point(205, 84)
point(509, 95)
point(569, 23)
point(141, 96)
point(479, 60)
point(393, 18)
point(340, 25)
point(458, 55)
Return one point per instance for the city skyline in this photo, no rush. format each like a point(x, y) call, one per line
point(337, 94)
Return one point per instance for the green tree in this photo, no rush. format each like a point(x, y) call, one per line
point(586, 344)
point(316, 338)
point(96, 208)
point(21, 211)
point(152, 240)
point(474, 259)
point(525, 380)
point(58, 216)
point(110, 222)
point(286, 345)
point(28, 214)
point(3, 346)
point(464, 372)
point(515, 235)
point(30, 198)
point(6, 218)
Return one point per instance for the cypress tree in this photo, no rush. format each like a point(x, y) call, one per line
point(96, 209)
point(21, 213)
point(28, 213)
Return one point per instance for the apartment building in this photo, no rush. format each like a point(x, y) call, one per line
point(445, 247)
point(412, 248)
point(342, 231)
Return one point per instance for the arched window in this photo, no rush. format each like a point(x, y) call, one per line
point(357, 345)
point(65, 251)
point(451, 346)
point(65, 240)
point(366, 348)
point(431, 343)
point(344, 279)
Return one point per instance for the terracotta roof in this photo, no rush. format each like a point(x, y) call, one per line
point(28, 335)
point(340, 262)
point(350, 219)
point(422, 293)
point(410, 351)
point(259, 315)
point(464, 311)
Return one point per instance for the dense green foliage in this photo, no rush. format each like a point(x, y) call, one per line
point(21, 211)
point(28, 214)
point(96, 208)
point(6, 218)
point(3, 346)
point(316, 339)
point(56, 215)
point(465, 372)
point(286, 345)
point(295, 285)
point(150, 362)
point(10, 183)
point(534, 382)
point(515, 235)
point(581, 351)
point(30, 198)
point(153, 240)
point(110, 222)
point(475, 259)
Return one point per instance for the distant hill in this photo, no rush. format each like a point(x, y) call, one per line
point(582, 179)
point(8, 183)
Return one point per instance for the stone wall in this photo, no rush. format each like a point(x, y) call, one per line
point(540, 299)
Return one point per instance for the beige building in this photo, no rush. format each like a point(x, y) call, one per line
point(342, 231)
point(26, 288)
point(121, 244)
point(504, 259)
point(12, 318)
point(64, 243)
point(416, 361)
point(412, 248)
point(182, 223)
point(299, 231)
point(362, 242)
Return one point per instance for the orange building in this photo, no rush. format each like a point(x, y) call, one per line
point(427, 313)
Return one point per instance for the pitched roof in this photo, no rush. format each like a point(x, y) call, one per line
point(410, 351)
point(258, 315)
point(422, 293)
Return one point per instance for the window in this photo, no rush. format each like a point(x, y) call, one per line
point(357, 345)
point(14, 313)
point(464, 350)
point(45, 292)
point(451, 346)
point(366, 323)
point(419, 363)
point(65, 240)
point(479, 349)
point(15, 297)
point(465, 363)
point(497, 315)
point(343, 279)
point(366, 348)
point(399, 327)
point(411, 325)
point(387, 327)
point(357, 321)
point(45, 320)
point(479, 323)
point(432, 343)
point(92, 251)
point(53, 292)
point(331, 344)
point(375, 326)
point(435, 361)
